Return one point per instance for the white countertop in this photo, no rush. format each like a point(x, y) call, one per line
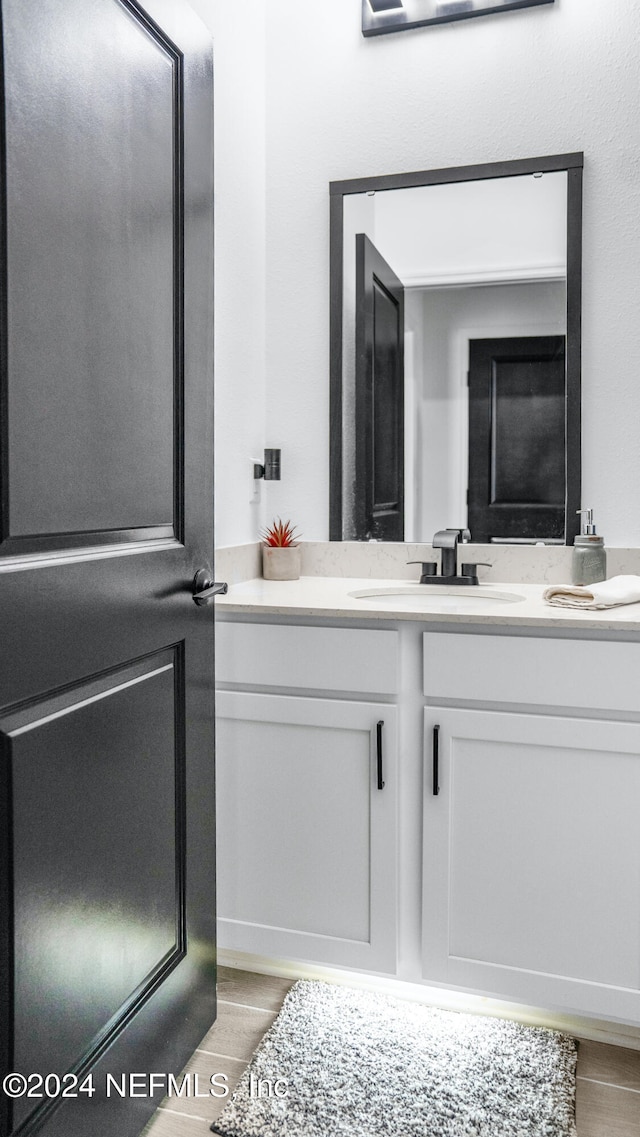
point(330, 597)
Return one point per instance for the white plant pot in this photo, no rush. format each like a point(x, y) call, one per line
point(281, 563)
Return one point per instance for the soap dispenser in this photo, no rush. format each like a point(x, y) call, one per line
point(589, 560)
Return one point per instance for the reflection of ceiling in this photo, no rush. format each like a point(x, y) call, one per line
point(502, 229)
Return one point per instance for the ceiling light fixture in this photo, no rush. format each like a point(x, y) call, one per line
point(382, 16)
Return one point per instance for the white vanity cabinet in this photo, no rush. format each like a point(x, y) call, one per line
point(531, 847)
point(306, 787)
point(519, 879)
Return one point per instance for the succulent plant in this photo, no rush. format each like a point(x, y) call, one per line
point(280, 534)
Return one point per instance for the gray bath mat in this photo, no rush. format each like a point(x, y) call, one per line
point(344, 1063)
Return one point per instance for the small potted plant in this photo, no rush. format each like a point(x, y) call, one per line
point(280, 551)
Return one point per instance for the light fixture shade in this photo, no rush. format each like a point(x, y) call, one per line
point(380, 17)
point(451, 7)
point(272, 465)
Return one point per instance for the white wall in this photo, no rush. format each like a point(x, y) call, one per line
point(545, 80)
point(240, 273)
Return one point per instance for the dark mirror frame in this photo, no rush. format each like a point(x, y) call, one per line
point(573, 165)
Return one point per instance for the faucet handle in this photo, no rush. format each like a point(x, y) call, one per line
point(429, 568)
point(471, 569)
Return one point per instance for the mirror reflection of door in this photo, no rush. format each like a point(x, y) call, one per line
point(517, 479)
point(379, 397)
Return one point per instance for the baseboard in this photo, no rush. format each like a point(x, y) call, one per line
point(596, 1030)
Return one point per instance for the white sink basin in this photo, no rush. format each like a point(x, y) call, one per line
point(435, 597)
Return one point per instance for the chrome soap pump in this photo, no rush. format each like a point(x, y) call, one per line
point(589, 560)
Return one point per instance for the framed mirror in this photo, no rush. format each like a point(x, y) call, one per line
point(455, 353)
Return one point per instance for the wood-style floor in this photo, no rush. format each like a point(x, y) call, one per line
point(608, 1085)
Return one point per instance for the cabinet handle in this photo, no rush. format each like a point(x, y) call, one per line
point(379, 727)
point(435, 754)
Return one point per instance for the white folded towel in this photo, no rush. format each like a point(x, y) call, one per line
point(604, 594)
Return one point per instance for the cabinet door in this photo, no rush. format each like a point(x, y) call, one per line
point(306, 839)
point(531, 873)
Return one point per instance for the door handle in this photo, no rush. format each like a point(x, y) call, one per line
point(435, 755)
point(204, 588)
point(379, 727)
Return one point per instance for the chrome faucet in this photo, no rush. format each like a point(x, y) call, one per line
point(447, 541)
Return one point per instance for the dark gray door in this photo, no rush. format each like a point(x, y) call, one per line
point(517, 454)
point(106, 663)
point(379, 397)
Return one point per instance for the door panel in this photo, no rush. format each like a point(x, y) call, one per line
point(379, 463)
point(316, 877)
point(517, 459)
point(94, 273)
point(92, 262)
point(107, 950)
point(87, 930)
point(532, 860)
point(309, 836)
